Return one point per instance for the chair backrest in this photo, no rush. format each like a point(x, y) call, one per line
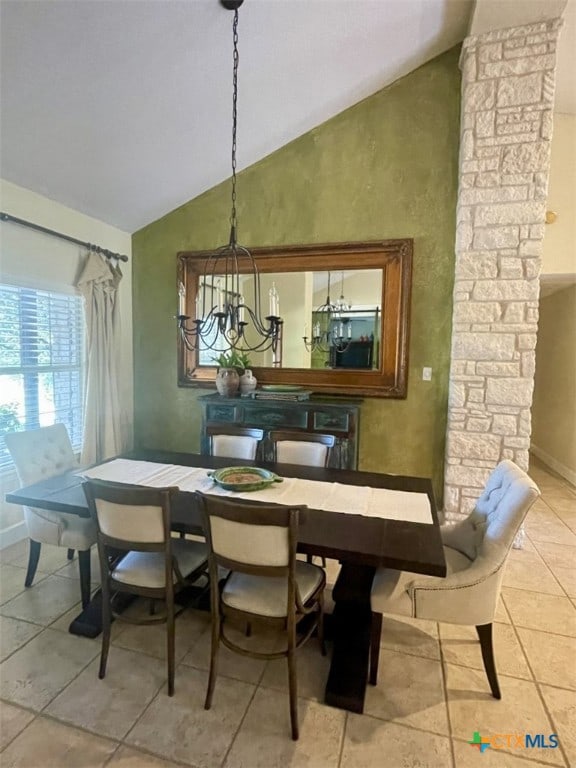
point(233, 442)
point(251, 538)
point(303, 448)
point(129, 517)
point(485, 537)
point(41, 453)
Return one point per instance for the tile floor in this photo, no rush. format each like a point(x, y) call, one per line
point(432, 693)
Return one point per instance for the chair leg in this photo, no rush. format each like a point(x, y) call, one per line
point(375, 634)
point(84, 561)
point(485, 636)
point(106, 630)
point(33, 558)
point(170, 638)
point(293, 687)
point(70, 554)
point(213, 661)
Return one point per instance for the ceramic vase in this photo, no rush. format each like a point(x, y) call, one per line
point(247, 382)
point(227, 382)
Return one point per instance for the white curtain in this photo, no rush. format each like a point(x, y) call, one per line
point(105, 420)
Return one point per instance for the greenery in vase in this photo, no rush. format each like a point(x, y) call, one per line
point(235, 358)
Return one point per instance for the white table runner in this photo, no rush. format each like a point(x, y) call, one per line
point(332, 497)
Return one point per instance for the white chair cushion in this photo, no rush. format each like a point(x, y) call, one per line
point(234, 446)
point(146, 569)
point(390, 588)
point(301, 452)
point(60, 529)
point(268, 596)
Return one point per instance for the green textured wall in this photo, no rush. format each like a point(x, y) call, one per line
point(385, 168)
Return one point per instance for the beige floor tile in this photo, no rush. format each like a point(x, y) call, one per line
point(264, 739)
point(12, 721)
point(111, 706)
point(557, 555)
point(410, 691)
point(460, 645)
point(49, 744)
point(549, 528)
point(473, 708)
point(151, 638)
point(468, 756)
point(568, 517)
point(14, 552)
point(71, 569)
point(527, 570)
point(12, 582)
point(414, 636)
point(371, 743)
point(230, 664)
point(502, 616)
point(312, 670)
point(179, 728)
point(552, 657)
point(567, 579)
point(548, 613)
point(14, 634)
point(51, 558)
point(126, 757)
point(562, 707)
point(36, 673)
point(45, 601)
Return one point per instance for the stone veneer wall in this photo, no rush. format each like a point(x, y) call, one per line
point(506, 128)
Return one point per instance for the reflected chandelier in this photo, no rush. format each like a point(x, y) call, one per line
point(338, 338)
point(222, 316)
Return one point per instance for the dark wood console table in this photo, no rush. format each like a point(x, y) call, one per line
point(328, 416)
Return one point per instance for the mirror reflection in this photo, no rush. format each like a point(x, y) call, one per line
point(331, 319)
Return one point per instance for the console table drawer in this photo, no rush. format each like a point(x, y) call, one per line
point(223, 414)
point(333, 422)
point(275, 417)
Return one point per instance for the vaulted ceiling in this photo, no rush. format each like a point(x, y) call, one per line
point(122, 110)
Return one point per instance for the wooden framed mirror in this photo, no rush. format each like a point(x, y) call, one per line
point(373, 279)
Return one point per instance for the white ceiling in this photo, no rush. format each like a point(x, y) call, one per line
point(121, 108)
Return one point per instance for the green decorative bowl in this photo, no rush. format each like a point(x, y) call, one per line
point(244, 479)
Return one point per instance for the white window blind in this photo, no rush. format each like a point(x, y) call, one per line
point(41, 362)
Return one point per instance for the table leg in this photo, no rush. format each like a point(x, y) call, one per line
point(346, 686)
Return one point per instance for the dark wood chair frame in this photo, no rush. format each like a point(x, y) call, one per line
point(213, 430)
point(278, 435)
point(245, 512)
point(111, 550)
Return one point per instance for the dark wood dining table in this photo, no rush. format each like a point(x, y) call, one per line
point(360, 543)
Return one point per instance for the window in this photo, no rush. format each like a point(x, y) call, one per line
point(41, 362)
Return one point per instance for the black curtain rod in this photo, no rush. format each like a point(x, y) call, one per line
point(91, 247)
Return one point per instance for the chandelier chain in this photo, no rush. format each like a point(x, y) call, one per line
point(236, 58)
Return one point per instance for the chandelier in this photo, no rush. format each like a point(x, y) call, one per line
point(223, 317)
point(330, 331)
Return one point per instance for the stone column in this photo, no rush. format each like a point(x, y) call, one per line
point(506, 127)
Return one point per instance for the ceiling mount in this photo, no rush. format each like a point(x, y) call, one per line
point(231, 5)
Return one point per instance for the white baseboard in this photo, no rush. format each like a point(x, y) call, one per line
point(14, 533)
point(554, 464)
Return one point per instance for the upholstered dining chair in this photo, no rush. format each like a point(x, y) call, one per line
point(265, 583)
point(304, 448)
point(139, 557)
point(233, 442)
point(39, 454)
point(476, 551)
